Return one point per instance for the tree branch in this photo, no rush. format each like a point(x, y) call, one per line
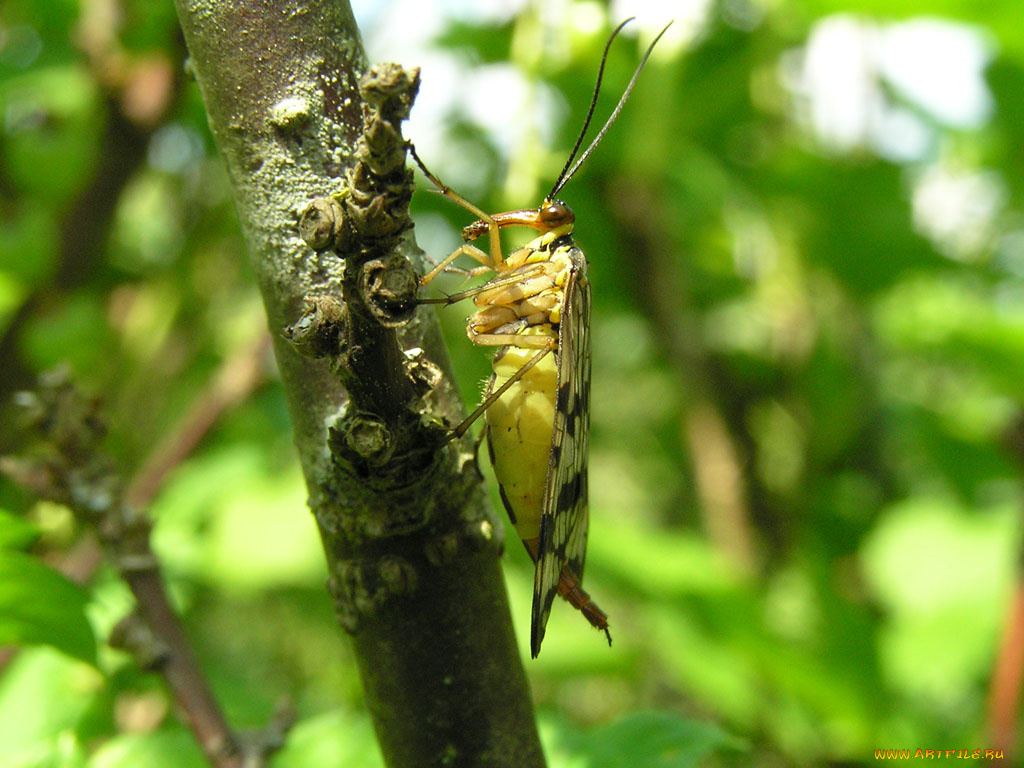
point(68, 467)
point(411, 547)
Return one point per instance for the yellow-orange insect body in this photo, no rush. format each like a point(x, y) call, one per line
point(538, 429)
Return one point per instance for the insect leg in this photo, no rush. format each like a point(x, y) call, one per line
point(470, 250)
point(492, 227)
point(451, 269)
point(498, 282)
point(502, 340)
point(483, 432)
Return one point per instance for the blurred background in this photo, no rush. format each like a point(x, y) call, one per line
point(808, 372)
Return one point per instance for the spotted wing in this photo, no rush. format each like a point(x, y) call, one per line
point(564, 517)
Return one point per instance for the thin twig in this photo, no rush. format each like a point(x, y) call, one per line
point(70, 468)
point(236, 378)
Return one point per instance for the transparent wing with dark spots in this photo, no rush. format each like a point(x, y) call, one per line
point(563, 527)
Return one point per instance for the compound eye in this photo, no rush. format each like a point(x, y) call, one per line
point(555, 214)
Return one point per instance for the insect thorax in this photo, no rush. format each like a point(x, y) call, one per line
point(528, 292)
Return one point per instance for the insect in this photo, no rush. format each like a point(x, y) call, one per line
point(536, 310)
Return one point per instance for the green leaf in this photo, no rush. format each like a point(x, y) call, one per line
point(172, 748)
point(38, 605)
point(220, 515)
point(334, 738)
point(53, 126)
point(15, 531)
point(941, 571)
point(66, 752)
point(44, 695)
point(651, 740)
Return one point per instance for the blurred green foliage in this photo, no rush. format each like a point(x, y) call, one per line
point(807, 441)
point(37, 604)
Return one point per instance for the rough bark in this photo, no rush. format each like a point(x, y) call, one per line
point(411, 547)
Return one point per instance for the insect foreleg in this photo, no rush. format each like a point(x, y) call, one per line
point(451, 269)
point(469, 250)
point(492, 227)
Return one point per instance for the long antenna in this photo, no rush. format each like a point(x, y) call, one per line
point(590, 112)
point(565, 175)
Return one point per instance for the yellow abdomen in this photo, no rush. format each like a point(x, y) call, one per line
point(519, 426)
